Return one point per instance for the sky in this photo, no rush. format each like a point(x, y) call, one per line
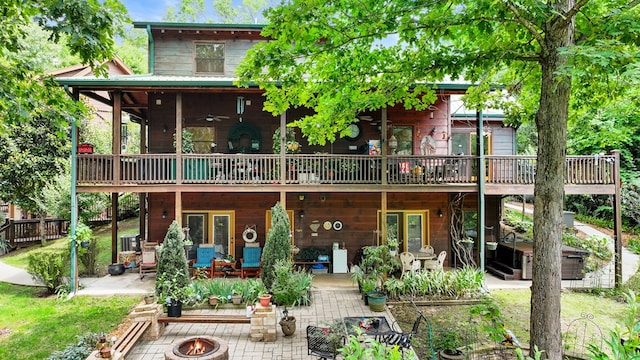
point(147, 10)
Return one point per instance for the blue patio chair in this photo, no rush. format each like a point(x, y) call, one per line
point(204, 257)
point(250, 262)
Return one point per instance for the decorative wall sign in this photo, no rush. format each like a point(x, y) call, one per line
point(337, 225)
point(327, 225)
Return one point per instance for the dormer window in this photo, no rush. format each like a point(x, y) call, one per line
point(209, 58)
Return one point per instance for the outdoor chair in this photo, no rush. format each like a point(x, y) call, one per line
point(427, 250)
point(204, 257)
point(408, 262)
point(320, 342)
point(250, 263)
point(148, 263)
point(403, 339)
point(436, 264)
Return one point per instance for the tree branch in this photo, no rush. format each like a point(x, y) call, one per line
point(526, 23)
point(566, 18)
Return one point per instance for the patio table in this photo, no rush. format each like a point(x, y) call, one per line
point(367, 325)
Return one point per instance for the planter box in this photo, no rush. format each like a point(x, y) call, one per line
point(319, 271)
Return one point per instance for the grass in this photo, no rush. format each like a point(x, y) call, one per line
point(32, 327)
point(515, 308)
point(103, 234)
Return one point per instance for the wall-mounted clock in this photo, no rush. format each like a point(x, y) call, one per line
point(354, 132)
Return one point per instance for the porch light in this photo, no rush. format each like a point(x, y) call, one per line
point(164, 214)
point(393, 144)
point(440, 213)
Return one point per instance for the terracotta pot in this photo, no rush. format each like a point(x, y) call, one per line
point(149, 299)
point(265, 300)
point(236, 299)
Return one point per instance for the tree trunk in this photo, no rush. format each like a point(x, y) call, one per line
point(43, 232)
point(551, 122)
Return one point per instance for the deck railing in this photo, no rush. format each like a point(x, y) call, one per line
point(23, 233)
point(330, 169)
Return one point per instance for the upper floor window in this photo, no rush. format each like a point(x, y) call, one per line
point(209, 58)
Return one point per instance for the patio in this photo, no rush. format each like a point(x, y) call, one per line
point(334, 297)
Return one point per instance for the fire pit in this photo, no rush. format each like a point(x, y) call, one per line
point(198, 347)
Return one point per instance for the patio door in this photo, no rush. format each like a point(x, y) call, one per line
point(411, 228)
point(212, 228)
point(221, 232)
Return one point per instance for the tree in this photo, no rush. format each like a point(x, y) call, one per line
point(173, 269)
point(341, 58)
point(32, 156)
point(246, 12)
point(278, 244)
point(85, 27)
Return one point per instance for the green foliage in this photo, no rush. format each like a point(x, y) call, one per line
point(89, 256)
point(57, 199)
point(290, 287)
point(278, 244)
point(187, 141)
point(600, 254)
point(634, 244)
point(79, 350)
point(448, 339)
point(49, 268)
point(173, 269)
point(465, 282)
point(378, 263)
point(622, 343)
point(369, 348)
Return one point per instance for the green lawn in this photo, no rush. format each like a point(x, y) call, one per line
point(32, 327)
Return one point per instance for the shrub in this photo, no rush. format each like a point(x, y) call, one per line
point(80, 350)
point(172, 263)
point(48, 268)
point(599, 252)
point(634, 244)
point(277, 246)
point(290, 287)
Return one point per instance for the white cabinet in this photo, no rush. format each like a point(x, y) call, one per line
point(340, 261)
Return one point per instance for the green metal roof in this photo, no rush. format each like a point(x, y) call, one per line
point(160, 81)
point(143, 24)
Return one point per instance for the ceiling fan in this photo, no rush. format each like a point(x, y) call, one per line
point(211, 117)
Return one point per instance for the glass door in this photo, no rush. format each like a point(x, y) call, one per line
point(221, 225)
point(197, 228)
point(415, 230)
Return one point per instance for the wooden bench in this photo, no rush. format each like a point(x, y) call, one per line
point(206, 319)
point(126, 342)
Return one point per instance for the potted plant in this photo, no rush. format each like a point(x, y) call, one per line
point(236, 297)
point(492, 245)
point(467, 243)
point(287, 323)
point(149, 298)
point(173, 278)
point(392, 239)
point(449, 341)
point(265, 299)
point(174, 293)
point(378, 263)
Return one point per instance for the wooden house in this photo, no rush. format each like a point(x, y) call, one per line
point(400, 170)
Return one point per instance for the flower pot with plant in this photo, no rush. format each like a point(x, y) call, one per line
point(149, 298)
point(265, 299)
point(236, 297)
point(378, 263)
point(287, 323)
point(173, 280)
point(467, 243)
point(448, 341)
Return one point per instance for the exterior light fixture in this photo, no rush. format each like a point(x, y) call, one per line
point(240, 106)
point(164, 214)
point(440, 214)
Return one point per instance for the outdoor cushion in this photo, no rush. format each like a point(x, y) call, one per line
point(204, 257)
